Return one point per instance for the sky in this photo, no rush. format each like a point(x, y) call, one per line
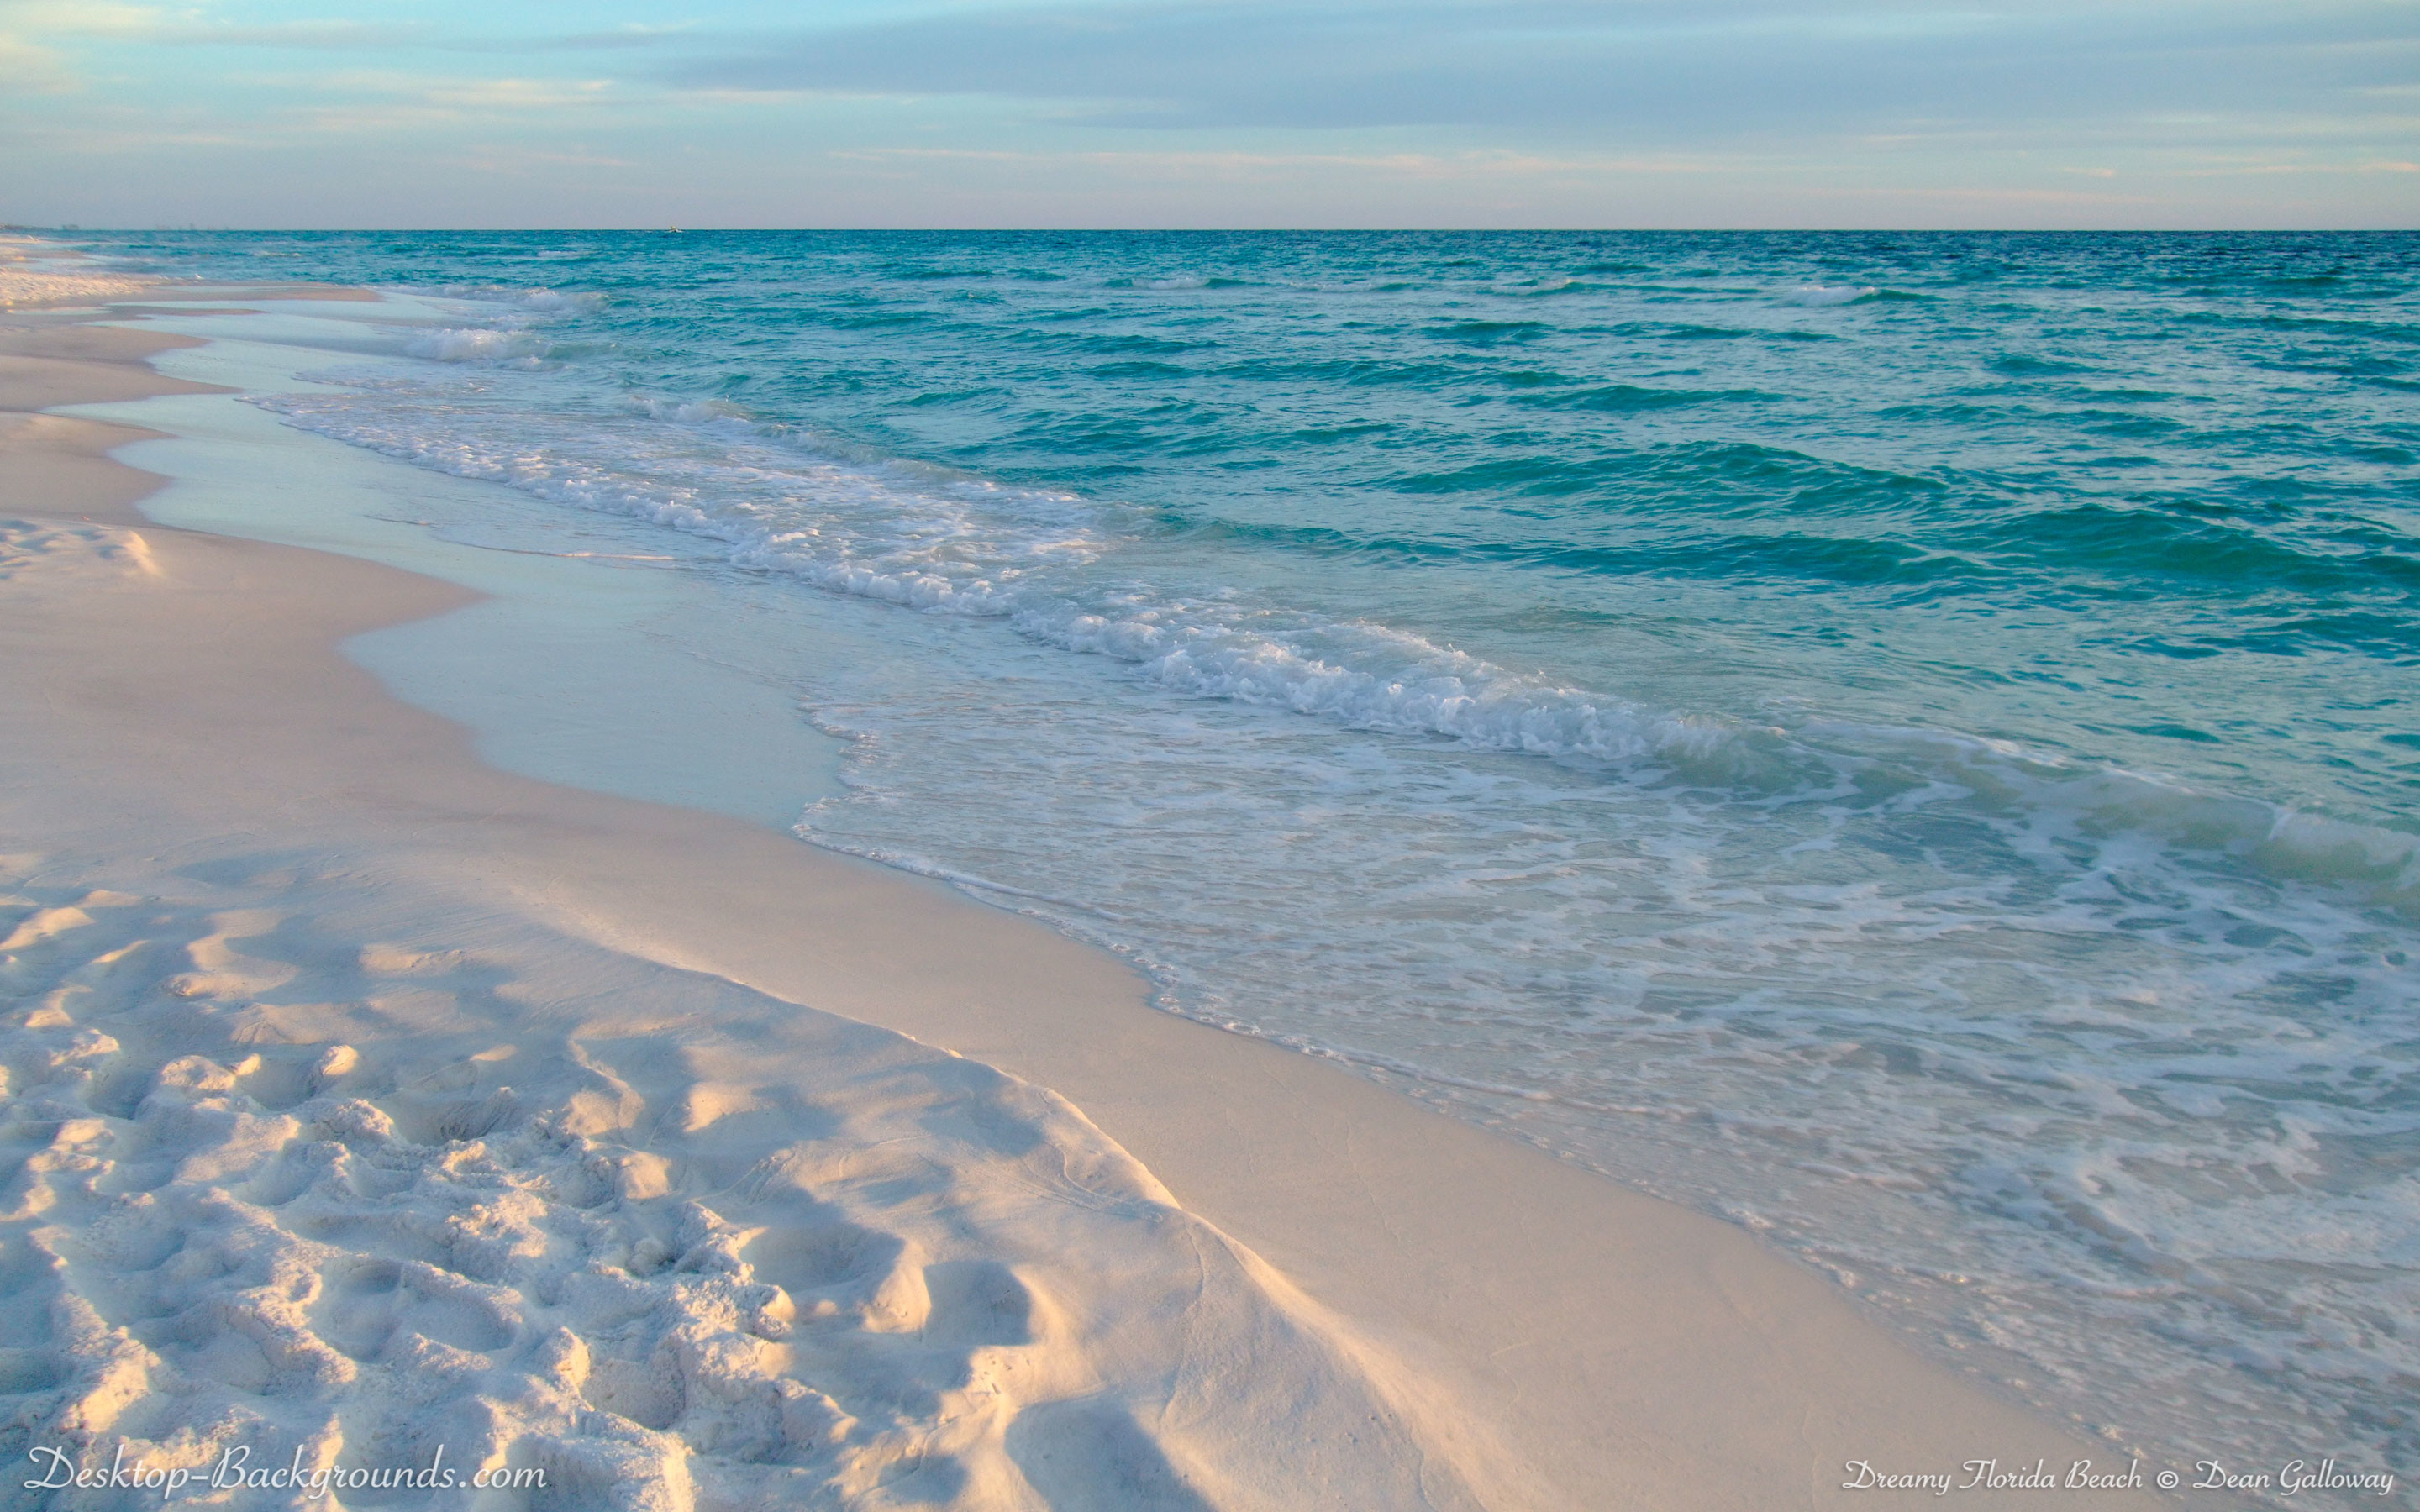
point(2162, 114)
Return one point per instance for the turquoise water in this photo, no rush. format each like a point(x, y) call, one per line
point(1906, 741)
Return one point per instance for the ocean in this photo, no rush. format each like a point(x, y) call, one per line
point(1907, 741)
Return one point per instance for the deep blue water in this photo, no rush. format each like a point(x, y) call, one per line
point(1908, 741)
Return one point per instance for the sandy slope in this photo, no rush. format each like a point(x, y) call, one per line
point(30, 276)
point(707, 1226)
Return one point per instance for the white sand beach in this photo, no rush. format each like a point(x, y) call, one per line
point(23, 286)
point(365, 1101)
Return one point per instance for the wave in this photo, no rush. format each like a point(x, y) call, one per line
point(2025, 364)
point(1629, 398)
point(1488, 332)
point(560, 301)
point(1122, 344)
point(2053, 796)
point(1357, 372)
point(923, 540)
point(2338, 326)
point(1555, 288)
point(477, 345)
point(1689, 330)
point(1822, 294)
point(1176, 282)
point(515, 340)
point(543, 300)
point(2146, 550)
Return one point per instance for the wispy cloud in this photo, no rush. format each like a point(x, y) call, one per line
point(1491, 165)
point(316, 36)
point(191, 26)
point(515, 160)
point(516, 94)
point(32, 63)
point(358, 102)
point(28, 69)
point(630, 36)
point(75, 18)
point(1648, 68)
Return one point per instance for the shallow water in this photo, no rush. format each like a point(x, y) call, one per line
point(1907, 741)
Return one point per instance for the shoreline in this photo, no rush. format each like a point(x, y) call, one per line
point(1634, 1354)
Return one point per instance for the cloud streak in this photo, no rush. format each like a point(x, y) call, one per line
point(1652, 70)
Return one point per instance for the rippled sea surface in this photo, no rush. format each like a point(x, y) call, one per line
point(1909, 742)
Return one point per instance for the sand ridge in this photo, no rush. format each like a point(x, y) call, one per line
point(51, 547)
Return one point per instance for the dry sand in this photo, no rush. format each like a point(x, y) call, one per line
point(370, 1098)
point(23, 285)
point(35, 275)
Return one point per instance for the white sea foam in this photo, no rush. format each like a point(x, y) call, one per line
point(560, 301)
point(478, 344)
point(969, 548)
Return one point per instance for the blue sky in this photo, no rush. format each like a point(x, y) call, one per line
point(1213, 112)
